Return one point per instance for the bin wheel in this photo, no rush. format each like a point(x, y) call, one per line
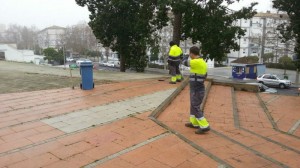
point(80, 86)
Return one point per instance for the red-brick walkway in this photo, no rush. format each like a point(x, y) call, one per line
point(248, 130)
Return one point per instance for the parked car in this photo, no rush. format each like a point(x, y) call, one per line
point(109, 63)
point(79, 61)
point(273, 80)
point(70, 59)
point(263, 88)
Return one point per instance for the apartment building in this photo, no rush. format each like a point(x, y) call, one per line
point(51, 37)
point(262, 37)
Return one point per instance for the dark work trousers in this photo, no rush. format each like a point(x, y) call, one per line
point(174, 67)
point(197, 92)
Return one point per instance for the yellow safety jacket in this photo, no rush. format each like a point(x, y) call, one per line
point(175, 53)
point(198, 69)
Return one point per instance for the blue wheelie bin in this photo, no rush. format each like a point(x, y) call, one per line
point(86, 72)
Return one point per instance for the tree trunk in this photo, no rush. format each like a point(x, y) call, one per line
point(177, 28)
point(122, 63)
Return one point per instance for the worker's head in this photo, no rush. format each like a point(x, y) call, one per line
point(194, 52)
point(172, 43)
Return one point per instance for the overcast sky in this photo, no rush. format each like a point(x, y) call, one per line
point(44, 13)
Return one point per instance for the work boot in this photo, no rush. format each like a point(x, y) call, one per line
point(190, 125)
point(202, 130)
point(172, 82)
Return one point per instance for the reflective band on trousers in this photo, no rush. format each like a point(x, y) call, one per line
point(198, 80)
point(202, 122)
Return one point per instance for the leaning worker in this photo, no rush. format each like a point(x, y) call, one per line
point(198, 74)
point(174, 61)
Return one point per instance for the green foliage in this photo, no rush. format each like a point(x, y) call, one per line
point(247, 60)
point(128, 25)
point(266, 57)
point(93, 53)
point(211, 23)
point(291, 30)
point(154, 51)
point(285, 60)
point(125, 26)
point(52, 55)
point(156, 66)
point(289, 66)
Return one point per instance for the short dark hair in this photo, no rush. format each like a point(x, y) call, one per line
point(194, 50)
point(172, 43)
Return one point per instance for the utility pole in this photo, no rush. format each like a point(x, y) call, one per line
point(276, 55)
point(263, 40)
point(240, 40)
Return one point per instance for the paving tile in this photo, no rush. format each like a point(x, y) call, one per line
point(19, 135)
point(26, 126)
point(86, 118)
point(14, 144)
point(176, 155)
point(62, 164)
point(36, 162)
point(41, 149)
point(103, 150)
point(248, 161)
point(73, 149)
point(118, 162)
point(46, 135)
point(11, 159)
point(80, 160)
point(287, 157)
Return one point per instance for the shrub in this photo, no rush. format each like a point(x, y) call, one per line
point(247, 60)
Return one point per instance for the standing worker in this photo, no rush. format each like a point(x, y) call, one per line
point(174, 60)
point(198, 74)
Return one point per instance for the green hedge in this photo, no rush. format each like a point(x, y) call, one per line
point(156, 66)
point(290, 66)
point(247, 60)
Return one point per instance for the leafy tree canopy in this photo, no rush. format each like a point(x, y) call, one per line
point(285, 60)
point(126, 26)
point(212, 24)
point(290, 30)
point(129, 26)
point(268, 56)
point(52, 55)
point(209, 22)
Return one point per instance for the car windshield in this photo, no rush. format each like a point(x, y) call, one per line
point(276, 77)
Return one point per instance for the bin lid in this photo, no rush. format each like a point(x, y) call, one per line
point(72, 66)
point(86, 64)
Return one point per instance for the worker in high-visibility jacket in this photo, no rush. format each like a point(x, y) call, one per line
point(174, 59)
point(198, 73)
